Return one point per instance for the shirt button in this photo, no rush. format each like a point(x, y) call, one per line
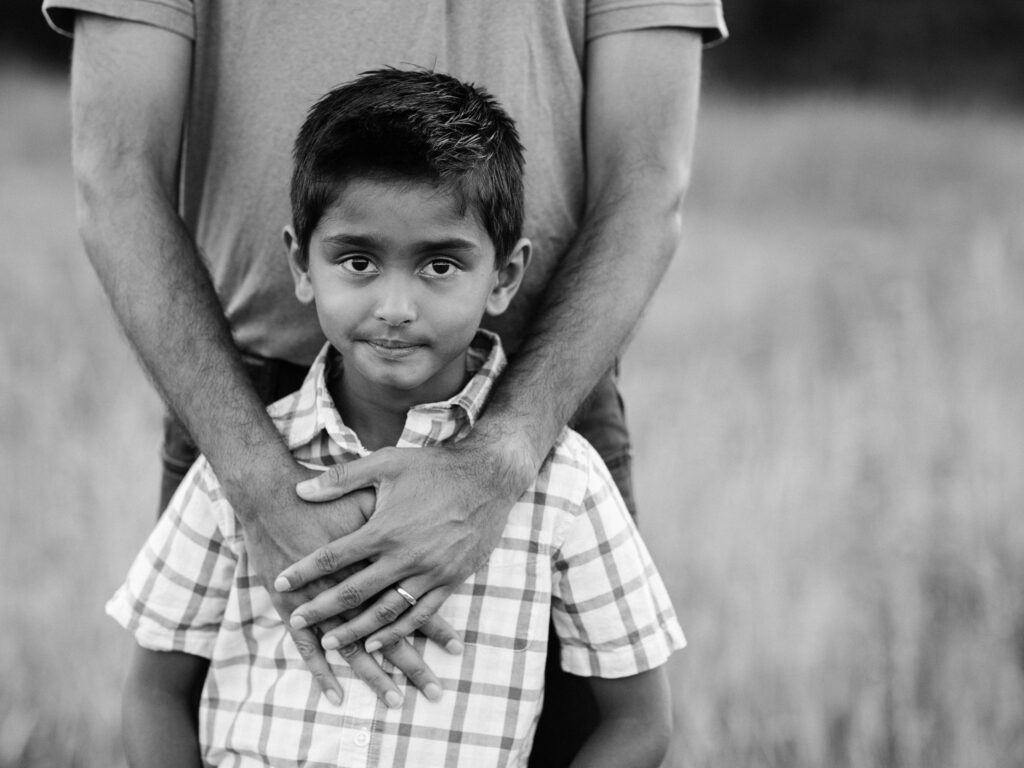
point(362, 739)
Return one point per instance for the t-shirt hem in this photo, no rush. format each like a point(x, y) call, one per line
point(60, 14)
point(704, 17)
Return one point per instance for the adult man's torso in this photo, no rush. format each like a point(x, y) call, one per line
point(259, 66)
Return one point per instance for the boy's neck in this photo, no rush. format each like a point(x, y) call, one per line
point(378, 414)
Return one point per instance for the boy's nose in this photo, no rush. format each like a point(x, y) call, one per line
point(396, 305)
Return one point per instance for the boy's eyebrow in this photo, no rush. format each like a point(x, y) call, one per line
point(372, 241)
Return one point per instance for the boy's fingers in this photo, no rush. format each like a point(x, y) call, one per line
point(366, 668)
point(436, 628)
point(421, 618)
point(409, 661)
point(315, 659)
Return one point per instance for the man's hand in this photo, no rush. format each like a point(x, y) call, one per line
point(439, 514)
point(278, 529)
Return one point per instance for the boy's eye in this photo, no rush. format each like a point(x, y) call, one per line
point(440, 268)
point(358, 265)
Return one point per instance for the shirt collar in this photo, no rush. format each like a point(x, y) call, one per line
point(304, 415)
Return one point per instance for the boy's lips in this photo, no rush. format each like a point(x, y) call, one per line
point(393, 348)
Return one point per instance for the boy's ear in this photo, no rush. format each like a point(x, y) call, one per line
point(508, 279)
point(299, 266)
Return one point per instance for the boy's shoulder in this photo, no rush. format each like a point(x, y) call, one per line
point(574, 472)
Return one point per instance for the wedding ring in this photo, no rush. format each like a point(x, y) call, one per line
point(406, 596)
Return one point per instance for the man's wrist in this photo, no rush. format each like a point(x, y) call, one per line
point(509, 458)
point(259, 473)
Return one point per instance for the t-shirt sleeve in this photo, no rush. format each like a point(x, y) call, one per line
point(174, 15)
point(605, 17)
point(176, 591)
point(610, 608)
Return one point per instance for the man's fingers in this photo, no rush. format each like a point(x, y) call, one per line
point(339, 479)
point(351, 593)
point(386, 610)
point(366, 668)
point(313, 655)
point(420, 618)
point(329, 559)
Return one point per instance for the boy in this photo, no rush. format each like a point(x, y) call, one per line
point(407, 209)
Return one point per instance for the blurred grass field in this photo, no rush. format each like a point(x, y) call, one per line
point(829, 430)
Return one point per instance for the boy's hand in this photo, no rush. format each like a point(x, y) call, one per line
point(275, 535)
point(439, 514)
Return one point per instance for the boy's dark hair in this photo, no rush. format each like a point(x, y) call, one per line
point(394, 124)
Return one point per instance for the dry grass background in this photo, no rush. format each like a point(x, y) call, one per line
point(827, 403)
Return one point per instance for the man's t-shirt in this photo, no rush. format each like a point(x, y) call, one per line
point(259, 66)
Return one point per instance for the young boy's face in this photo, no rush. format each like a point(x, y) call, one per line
point(401, 278)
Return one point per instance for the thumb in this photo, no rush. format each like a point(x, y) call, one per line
point(338, 480)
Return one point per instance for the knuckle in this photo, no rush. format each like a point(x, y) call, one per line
point(350, 651)
point(326, 561)
point(385, 614)
point(307, 648)
point(350, 597)
point(419, 618)
point(336, 473)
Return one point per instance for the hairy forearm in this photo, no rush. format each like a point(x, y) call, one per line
point(163, 297)
point(129, 93)
point(642, 94)
point(590, 308)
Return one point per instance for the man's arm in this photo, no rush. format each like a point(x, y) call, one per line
point(635, 722)
point(160, 709)
point(129, 89)
point(642, 94)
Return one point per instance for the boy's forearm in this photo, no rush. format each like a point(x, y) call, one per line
point(162, 295)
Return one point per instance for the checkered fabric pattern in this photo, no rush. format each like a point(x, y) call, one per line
point(570, 550)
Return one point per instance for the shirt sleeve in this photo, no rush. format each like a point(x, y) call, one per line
point(175, 594)
point(605, 17)
point(174, 15)
point(610, 608)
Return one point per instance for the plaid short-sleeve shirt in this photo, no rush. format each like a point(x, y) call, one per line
point(569, 551)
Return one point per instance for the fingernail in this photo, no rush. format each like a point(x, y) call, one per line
point(373, 645)
point(393, 699)
point(333, 697)
point(307, 485)
point(299, 622)
point(333, 657)
point(330, 643)
point(281, 584)
point(432, 691)
point(454, 647)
